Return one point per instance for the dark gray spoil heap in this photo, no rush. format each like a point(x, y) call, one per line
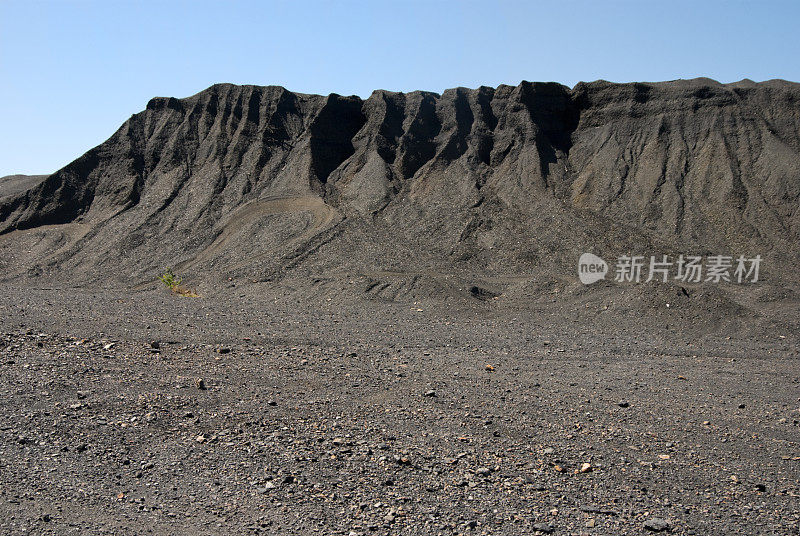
point(508, 183)
point(494, 393)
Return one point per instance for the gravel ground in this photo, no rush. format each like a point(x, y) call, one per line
point(384, 419)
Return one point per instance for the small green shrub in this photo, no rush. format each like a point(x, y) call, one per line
point(170, 279)
point(173, 282)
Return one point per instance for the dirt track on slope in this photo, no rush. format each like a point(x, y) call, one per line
point(323, 215)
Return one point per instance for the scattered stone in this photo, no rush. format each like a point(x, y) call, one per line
point(545, 528)
point(624, 404)
point(431, 393)
point(200, 384)
point(548, 450)
point(656, 524)
point(586, 468)
point(155, 345)
point(223, 350)
point(266, 487)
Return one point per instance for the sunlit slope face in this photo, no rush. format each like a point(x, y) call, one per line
point(505, 179)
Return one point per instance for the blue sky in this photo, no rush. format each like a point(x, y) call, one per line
point(72, 71)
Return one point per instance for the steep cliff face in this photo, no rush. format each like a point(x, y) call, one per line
point(507, 179)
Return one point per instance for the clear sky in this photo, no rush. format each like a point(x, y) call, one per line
point(72, 71)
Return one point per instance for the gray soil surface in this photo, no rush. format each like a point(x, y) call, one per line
point(390, 335)
point(385, 418)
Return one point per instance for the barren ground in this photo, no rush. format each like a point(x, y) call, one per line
point(372, 417)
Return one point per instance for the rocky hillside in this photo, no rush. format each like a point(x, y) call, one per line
point(505, 182)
